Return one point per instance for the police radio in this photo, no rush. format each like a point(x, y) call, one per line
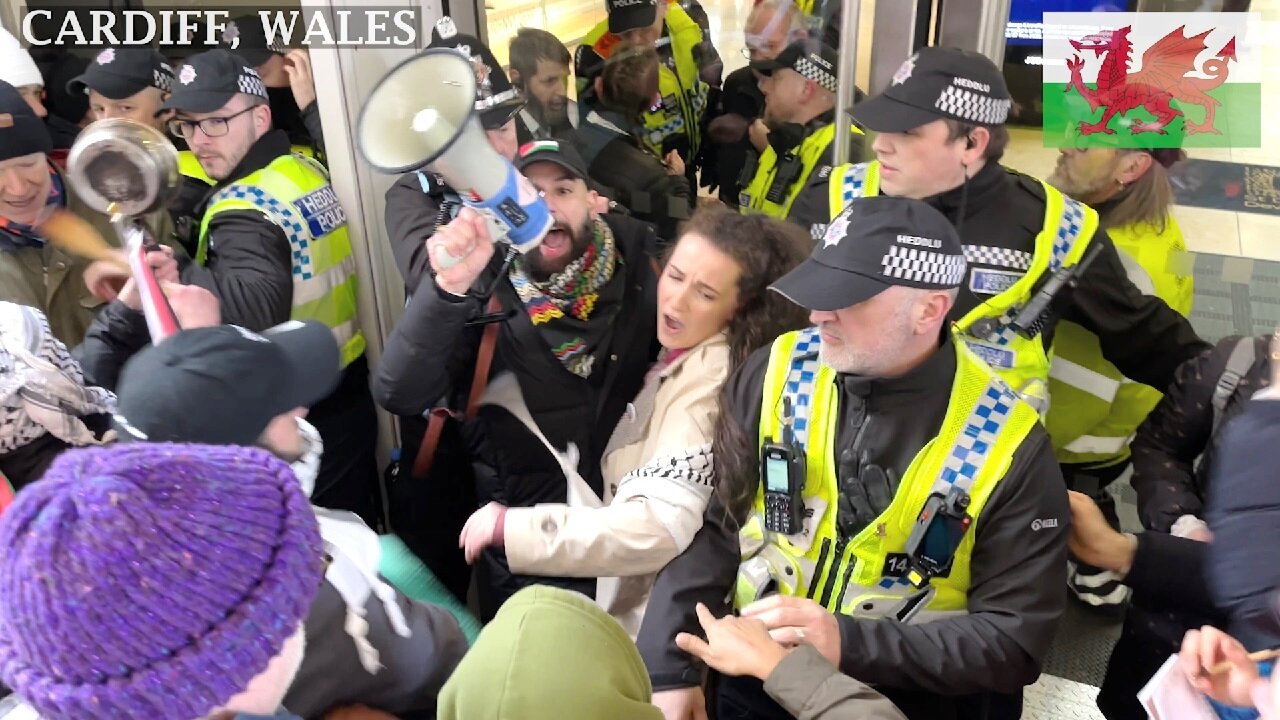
point(785, 175)
point(782, 465)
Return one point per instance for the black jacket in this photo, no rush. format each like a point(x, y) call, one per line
point(1018, 572)
point(742, 97)
point(1166, 474)
point(416, 204)
point(1003, 214)
point(1244, 514)
point(630, 175)
point(248, 268)
point(430, 357)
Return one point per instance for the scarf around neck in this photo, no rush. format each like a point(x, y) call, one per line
point(16, 235)
point(572, 308)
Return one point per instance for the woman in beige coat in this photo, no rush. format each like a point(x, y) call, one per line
point(714, 308)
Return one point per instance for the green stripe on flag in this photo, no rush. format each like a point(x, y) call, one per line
point(1238, 119)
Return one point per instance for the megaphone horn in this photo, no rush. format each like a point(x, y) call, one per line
point(422, 114)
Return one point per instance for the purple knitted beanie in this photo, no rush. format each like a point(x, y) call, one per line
point(152, 580)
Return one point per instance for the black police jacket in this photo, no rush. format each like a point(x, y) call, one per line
point(1003, 213)
point(971, 666)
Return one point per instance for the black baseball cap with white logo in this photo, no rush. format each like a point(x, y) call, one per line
point(223, 385)
point(811, 58)
point(877, 243)
point(939, 83)
point(118, 73)
point(209, 79)
point(627, 15)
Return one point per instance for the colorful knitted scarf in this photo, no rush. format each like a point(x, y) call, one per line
point(572, 308)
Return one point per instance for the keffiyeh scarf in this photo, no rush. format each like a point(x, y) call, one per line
point(42, 387)
point(572, 308)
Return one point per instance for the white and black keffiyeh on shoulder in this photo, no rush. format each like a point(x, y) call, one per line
point(42, 387)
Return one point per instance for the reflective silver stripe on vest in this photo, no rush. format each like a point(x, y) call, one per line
point(972, 448)
point(1069, 227)
point(1093, 444)
point(1082, 378)
point(851, 182)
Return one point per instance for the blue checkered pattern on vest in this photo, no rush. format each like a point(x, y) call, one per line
point(283, 216)
point(972, 447)
point(800, 381)
point(1068, 233)
point(851, 183)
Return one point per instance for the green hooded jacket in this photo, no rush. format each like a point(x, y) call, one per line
point(550, 654)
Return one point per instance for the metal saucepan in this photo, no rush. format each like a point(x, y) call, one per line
point(123, 168)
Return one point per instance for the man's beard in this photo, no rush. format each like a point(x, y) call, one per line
point(1076, 187)
point(540, 269)
point(548, 116)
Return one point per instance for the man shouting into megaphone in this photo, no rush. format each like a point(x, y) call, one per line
point(573, 320)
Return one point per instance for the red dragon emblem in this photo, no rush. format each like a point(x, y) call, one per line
point(1162, 79)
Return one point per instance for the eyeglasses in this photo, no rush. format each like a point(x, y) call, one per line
point(211, 127)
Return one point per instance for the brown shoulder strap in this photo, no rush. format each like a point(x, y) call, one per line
point(479, 381)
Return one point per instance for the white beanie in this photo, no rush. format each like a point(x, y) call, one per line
point(16, 66)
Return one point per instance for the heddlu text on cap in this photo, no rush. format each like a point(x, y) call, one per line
point(308, 27)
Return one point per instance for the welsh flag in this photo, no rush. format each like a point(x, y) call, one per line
point(1153, 80)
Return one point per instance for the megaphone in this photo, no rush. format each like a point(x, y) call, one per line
point(422, 114)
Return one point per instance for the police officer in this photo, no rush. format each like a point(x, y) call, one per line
point(132, 83)
point(291, 86)
point(799, 86)
point(273, 246)
point(1096, 409)
point(940, 136)
point(690, 67)
point(910, 522)
point(420, 202)
point(653, 190)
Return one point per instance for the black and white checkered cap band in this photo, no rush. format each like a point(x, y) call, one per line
point(923, 266)
point(973, 107)
point(1000, 257)
point(816, 73)
point(250, 84)
point(162, 79)
point(496, 99)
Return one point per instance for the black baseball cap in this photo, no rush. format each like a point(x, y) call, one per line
point(209, 79)
point(246, 37)
point(553, 151)
point(939, 83)
point(877, 243)
point(223, 385)
point(118, 73)
point(21, 132)
point(811, 58)
point(497, 100)
point(627, 15)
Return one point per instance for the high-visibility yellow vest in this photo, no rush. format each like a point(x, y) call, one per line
point(189, 165)
point(864, 576)
point(1096, 410)
point(1023, 363)
point(684, 94)
point(752, 199)
point(294, 192)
